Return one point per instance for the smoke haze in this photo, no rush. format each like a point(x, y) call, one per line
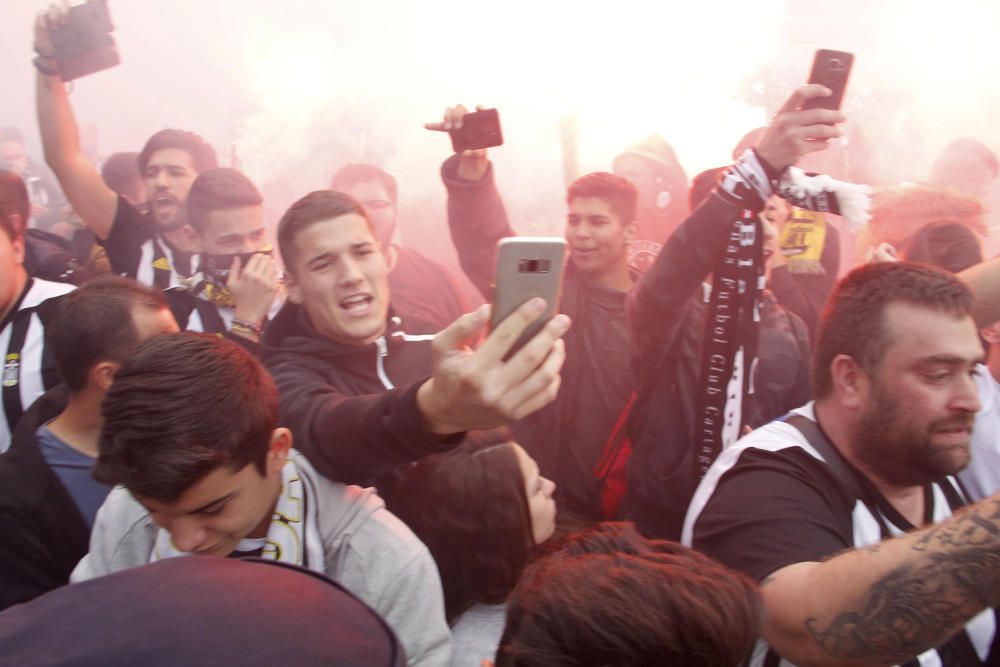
point(304, 86)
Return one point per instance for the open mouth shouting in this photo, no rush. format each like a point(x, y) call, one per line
point(358, 305)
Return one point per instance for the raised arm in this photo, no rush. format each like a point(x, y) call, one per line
point(476, 215)
point(88, 194)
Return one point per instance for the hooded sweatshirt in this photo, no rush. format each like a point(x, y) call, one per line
point(365, 548)
point(352, 408)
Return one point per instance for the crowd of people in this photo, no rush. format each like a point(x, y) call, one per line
point(729, 447)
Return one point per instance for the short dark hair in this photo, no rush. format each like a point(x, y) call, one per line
point(121, 172)
point(201, 152)
point(314, 207)
point(853, 320)
point(951, 246)
point(183, 406)
point(11, 134)
point(352, 174)
point(469, 507)
point(218, 190)
point(95, 323)
point(13, 201)
point(654, 608)
point(620, 194)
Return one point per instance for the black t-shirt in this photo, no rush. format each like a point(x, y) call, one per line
point(136, 250)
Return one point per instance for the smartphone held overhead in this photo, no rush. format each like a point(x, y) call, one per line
point(527, 267)
point(480, 129)
point(84, 45)
point(831, 69)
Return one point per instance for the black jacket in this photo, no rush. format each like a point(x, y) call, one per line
point(477, 220)
point(667, 325)
point(42, 533)
point(352, 409)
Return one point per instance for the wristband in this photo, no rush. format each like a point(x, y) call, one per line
point(245, 325)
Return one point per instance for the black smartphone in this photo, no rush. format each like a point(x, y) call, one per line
point(831, 69)
point(85, 45)
point(527, 267)
point(480, 129)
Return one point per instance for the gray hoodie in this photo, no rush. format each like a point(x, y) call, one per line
point(367, 550)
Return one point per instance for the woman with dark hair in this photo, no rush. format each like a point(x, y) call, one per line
point(480, 509)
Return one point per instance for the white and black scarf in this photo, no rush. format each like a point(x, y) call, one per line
point(729, 351)
point(293, 536)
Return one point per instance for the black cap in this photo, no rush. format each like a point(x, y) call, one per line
point(199, 610)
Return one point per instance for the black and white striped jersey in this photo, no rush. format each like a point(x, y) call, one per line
point(136, 250)
point(28, 367)
point(771, 500)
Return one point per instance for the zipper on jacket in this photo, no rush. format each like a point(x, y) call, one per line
point(383, 352)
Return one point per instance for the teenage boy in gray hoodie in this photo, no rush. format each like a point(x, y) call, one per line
point(191, 434)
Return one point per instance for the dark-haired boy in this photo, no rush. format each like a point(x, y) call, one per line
point(362, 394)
point(48, 498)
point(567, 438)
point(191, 433)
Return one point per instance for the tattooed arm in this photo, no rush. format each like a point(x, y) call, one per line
point(887, 604)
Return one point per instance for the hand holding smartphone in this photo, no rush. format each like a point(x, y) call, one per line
point(480, 129)
point(527, 267)
point(831, 69)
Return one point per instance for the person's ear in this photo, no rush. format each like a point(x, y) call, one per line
point(17, 224)
point(102, 375)
point(631, 232)
point(851, 384)
point(292, 288)
point(991, 334)
point(486, 663)
point(278, 449)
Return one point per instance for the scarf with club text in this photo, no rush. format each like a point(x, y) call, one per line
point(729, 351)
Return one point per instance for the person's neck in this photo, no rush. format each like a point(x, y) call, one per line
point(839, 428)
point(617, 278)
point(20, 280)
point(179, 239)
point(79, 425)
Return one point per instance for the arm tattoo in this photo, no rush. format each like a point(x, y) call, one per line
point(920, 605)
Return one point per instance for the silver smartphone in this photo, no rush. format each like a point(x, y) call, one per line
point(527, 267)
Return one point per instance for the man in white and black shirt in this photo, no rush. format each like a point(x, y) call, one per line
point(155, 249)
point(26, 305)
point(846, 509)
point(236, 288)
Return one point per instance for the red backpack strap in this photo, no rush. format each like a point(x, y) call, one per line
point(610, 470)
